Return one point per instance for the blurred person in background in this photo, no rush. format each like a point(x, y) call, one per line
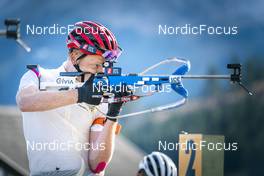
point(157, 164)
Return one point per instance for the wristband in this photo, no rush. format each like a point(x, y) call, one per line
point(111, 119)
point(102, 120)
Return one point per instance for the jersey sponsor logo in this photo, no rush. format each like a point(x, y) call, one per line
point(64, 81)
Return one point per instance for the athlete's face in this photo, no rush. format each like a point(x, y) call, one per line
point(90, 63)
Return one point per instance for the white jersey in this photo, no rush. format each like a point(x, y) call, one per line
point(58, 139)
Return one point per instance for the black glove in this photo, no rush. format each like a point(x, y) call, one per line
point(88, 94)
point(114, 108)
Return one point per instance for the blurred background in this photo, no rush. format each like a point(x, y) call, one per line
point(214, 107)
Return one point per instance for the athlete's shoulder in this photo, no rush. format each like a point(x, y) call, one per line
point(29, 78)
point(49, 73)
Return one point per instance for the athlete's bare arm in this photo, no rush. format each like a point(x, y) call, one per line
point(98, 159)
point(30, 99)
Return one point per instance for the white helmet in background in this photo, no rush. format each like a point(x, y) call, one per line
point(158, 164)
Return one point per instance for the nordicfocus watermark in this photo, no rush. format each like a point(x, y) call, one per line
point(210, 146)
point(56, 29)
point(63, 146)
point(135, 87)
point(187, 29)
point(201, 29)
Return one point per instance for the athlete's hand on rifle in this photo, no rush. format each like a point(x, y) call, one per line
point(115, 107)
point(88, 94)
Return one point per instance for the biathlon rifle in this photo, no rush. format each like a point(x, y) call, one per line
point(113, 76)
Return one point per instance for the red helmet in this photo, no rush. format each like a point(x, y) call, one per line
point(93, 38)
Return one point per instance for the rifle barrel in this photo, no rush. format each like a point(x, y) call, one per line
point(205, 76)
